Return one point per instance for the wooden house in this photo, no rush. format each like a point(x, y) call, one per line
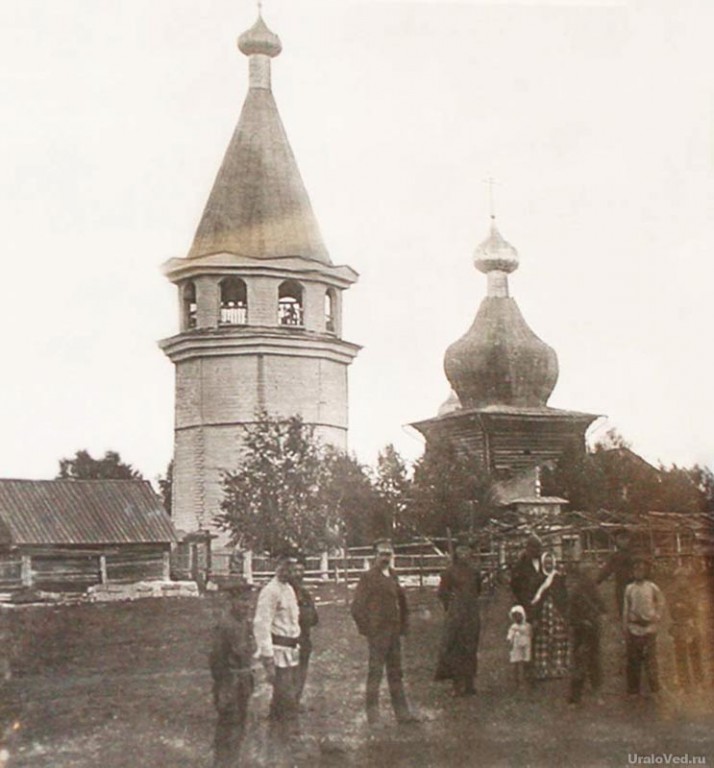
point(67, 535)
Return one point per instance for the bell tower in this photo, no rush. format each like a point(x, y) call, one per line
point(260, 305)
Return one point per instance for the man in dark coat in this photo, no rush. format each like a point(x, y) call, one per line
point(459, 590)
point(585, 606)
point(308, 619)
point(230, 663)
point(527, 575)
point(621, 565)
point(379, 609)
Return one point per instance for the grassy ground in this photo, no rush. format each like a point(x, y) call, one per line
point(127, 685)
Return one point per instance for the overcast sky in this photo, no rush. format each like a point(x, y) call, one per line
point(596, 119)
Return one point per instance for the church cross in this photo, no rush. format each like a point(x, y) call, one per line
point(491, 205)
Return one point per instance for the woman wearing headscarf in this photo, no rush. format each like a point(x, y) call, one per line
point(527, 574)
point(459, 590)
point(549, 610)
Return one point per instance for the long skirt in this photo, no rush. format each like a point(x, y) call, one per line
point(550, 643)
point(459, 645)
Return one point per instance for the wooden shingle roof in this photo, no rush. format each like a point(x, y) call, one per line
point(259, 206)
point(76, 512)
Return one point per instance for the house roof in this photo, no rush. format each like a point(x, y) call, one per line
point(71, 512)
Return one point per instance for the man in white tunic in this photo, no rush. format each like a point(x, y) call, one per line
point(277, 630)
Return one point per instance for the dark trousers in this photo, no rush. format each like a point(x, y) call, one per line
point(688, 657)
point(283, 705)
point(642, 651)
point(586, 661)
point(232, 706)
point(385, 652)
point(283, 726)
point(301, 675)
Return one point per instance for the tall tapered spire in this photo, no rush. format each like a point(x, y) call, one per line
point(259, 206)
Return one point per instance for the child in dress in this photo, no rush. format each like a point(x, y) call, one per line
point(519, 638)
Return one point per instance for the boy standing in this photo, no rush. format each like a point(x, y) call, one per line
point(230, 663)
point(642, 610)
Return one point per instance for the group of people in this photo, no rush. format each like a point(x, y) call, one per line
point(279, 636)
point(554, 632)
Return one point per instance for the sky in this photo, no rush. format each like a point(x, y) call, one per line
point(596, 120)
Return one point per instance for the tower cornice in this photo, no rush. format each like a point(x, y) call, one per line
point(257, 340)
point(178, 269)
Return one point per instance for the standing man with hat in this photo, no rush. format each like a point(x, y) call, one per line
point(379, 609)
point(277, 634)
point(230, 663)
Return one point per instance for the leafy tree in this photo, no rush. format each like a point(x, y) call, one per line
point(82, 466)
point(392, 486)
point(349, 491)
point(451, 490)
point(278, 496)
point(166, 486)
point(684, 490)
point(576, 476)
point(611, 476)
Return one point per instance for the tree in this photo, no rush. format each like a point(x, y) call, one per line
point(451, 490)
point(82, 466)
point(392, 486)
point(278, 497)
point(349, 491)
point(576, 476)
point(612, 476)
point(684, 490)
point(165, 483)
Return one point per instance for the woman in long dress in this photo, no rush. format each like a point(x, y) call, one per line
point(549, 611)
point(459, 590)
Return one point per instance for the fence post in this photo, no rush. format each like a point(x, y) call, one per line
point(102, 569)
point(26, 570)
point(421, 571)
point(324, 566)
point(166, 575)
point(248, 565)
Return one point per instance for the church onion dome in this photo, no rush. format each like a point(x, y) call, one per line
point(259, 40)
point(500, 361)
point(495, 253)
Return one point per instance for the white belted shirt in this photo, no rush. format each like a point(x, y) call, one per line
point(277, 613)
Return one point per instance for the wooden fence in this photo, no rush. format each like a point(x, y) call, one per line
point(74, 570)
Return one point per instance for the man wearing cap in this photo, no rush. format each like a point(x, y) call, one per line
point(230, 663)
point(621, 564)
point(277, 631)
point(379, 609)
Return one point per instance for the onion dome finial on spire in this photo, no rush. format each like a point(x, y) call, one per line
point(259, 40)
point(495, 253)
